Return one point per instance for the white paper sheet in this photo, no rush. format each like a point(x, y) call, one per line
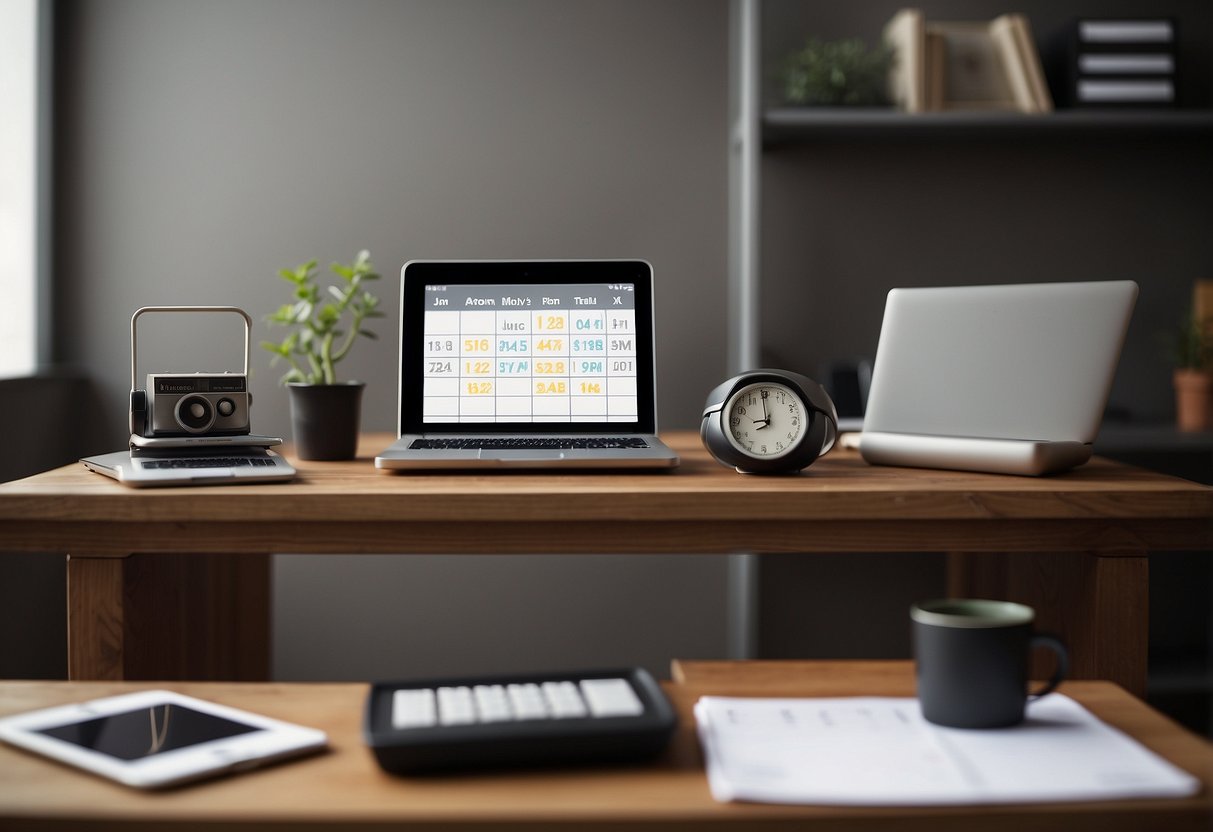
point(880, 751)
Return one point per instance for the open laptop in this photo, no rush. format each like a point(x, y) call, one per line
point(1009, 379)
point(225, 465)
point(527, 364)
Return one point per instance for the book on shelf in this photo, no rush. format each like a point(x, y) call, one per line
point(1118, 34)
point(935, 59)
point(1125, 91)
point(1012, 38)
point(1124, 63)
point(1202, 304)
point(904, 36)
point(969, 65)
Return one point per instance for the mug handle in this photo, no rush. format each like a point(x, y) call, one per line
point(1063, 662)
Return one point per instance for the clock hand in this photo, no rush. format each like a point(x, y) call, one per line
point(766, 417)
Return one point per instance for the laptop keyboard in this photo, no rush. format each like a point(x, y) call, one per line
point(209, 462)
point(517, 443)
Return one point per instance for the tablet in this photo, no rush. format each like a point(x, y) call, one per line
point(157, 738)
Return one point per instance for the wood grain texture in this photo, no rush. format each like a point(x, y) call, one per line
point(96, 631)
point(619, 535)
point(1099, 606)
point(840, 504)
point(344, 789)
point(190, 617)
point(169, 616)
point(839, 487)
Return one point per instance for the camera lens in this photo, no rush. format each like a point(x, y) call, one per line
point(226, 407)
point(194, 414)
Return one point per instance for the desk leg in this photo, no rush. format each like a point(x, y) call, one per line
point(169, 616)
point(1098, 604)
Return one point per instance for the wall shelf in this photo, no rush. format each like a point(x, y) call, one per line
point(758, 128)
point(791, 124)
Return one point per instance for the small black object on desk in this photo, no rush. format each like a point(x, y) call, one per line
point(447, 724)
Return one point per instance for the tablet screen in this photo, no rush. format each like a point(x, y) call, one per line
point(132, 735)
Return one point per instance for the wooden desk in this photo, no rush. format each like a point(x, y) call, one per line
point(174, 583)
point(344, 789)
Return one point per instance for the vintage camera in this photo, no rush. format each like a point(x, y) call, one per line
point(190, 404)
point(195, 403)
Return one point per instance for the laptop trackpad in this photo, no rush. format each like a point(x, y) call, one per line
point(520, 456)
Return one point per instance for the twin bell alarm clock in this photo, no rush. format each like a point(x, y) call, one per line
point(769, 422)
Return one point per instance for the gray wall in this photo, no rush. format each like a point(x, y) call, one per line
point(205, 145)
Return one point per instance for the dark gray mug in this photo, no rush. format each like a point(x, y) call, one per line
point(971, 661)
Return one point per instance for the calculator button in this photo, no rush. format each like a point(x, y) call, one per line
point(611, 697)
point(527, 701)
point(492, 704)
point(456, 706)
point(564, 701)
point(413, 709)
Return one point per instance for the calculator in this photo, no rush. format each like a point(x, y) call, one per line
point(591, 716)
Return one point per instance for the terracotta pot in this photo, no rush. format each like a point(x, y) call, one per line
point(1193, 399)
point(325, 419)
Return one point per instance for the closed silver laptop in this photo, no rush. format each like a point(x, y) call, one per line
point(141, 468)
point(527, 364)
point(1008, 379)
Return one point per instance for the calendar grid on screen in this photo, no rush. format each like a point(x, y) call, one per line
point(530, 353)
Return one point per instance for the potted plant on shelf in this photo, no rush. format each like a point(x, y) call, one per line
point(325, 413)
point(837, 73)
point(1193, 376)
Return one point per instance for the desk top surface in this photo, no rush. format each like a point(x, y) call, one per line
point(344, 788)
point(839, 486)
point(840, 504)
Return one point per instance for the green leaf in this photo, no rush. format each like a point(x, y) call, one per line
point(322, 331)
point(366, 333)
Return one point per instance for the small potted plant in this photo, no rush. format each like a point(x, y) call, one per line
point(325, 413)
point(837, 73)
point(1193, 376)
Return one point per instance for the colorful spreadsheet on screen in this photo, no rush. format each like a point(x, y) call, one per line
point(524, 353)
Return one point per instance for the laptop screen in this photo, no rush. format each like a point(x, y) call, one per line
point(527, 347)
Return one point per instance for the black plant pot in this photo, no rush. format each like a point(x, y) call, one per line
point(325, 419)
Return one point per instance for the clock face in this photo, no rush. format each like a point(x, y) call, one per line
point(764, 420)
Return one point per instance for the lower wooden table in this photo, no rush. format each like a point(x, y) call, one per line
point(174, 583)
point(343, 789)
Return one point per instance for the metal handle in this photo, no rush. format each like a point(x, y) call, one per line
point(248, 331)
